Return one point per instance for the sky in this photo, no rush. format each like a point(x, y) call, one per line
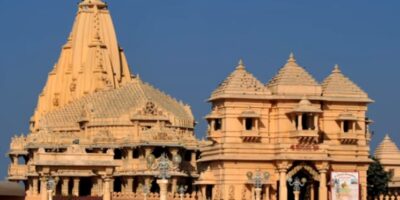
point(187, 47)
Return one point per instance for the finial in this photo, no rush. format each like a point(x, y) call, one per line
point(387, 137)
point(240, 64)
point(336, 69)
point(291, 59)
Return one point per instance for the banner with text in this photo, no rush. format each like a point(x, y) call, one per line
point(345, 186)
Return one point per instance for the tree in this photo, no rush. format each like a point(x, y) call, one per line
point(377, 179)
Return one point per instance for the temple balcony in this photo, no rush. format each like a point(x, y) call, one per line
point(17, 172)
point(250, 136)
point(306, 136)
point(348, 137)
point(17, 145)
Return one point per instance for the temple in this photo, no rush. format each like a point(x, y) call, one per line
point(292, 128)
point(96, 125)
point(100, 131)
point(388, 155)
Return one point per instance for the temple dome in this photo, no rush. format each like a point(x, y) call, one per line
point(337, 85)
point(120, 106)
point(387, 152)
point(294, 79)
point(240, 84)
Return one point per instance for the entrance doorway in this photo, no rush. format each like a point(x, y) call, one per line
point(308, 189)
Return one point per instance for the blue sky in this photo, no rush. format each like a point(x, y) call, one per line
point(187, 47)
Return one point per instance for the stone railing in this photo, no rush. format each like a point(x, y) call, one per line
point(18, 143)
point(151, 196)
point(17, 170)
point(395, 196)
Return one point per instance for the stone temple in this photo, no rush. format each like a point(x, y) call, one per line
point(100, 132)
point(96, 123)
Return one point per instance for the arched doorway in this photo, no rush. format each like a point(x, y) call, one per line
point(308, 189)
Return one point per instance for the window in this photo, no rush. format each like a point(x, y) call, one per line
point(136, 153)
point(346, 126)
point(391, 173)
point(249, 124)
point(306, 122)
point(217, 124)
point(117, 154)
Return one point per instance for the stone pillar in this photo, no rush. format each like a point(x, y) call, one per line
point(342, 126)
point(43, 188)
point(312, 192)
point(203, 192)
point(14, 160)
point(316, 122)
point(323, 191)
point(163, 183)
point(129, 185)
point(256, 123)
point(266, 192)
point(100, 186)
point(353, 126)
point(193, 159)
point(75, 189)
point(129, 154)
point(111, 184)
point(106, 188)
point(123, 184)
point(300, 122)
point(95, 189)
point(50, 194)
point(296, 195)
point(258, 193)
point(64, 186)
point(363, 191)
point(282, 184)
point(35, 184)
point(174, 184)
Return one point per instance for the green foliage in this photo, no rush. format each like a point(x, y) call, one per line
point(377, 179)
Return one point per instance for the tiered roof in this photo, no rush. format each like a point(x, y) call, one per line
point(119, 106)
point(240, 83)
point(387, 152)
point(92, 83)
point(292, 74)
point(292, 81)
point(338, 85)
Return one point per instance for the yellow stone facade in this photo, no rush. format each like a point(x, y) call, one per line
point(291, 127)
point(98, 129)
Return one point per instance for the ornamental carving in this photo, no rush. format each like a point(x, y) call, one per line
point(150, 109)
point(307, 168)
point(231, 192)
point(56, 100)
point(72, 86)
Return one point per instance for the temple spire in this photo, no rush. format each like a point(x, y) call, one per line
point(336, 69)
point(90, 61)
point(291, 59)
point(240, 64)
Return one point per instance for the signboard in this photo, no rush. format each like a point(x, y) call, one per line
point(345, 186)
